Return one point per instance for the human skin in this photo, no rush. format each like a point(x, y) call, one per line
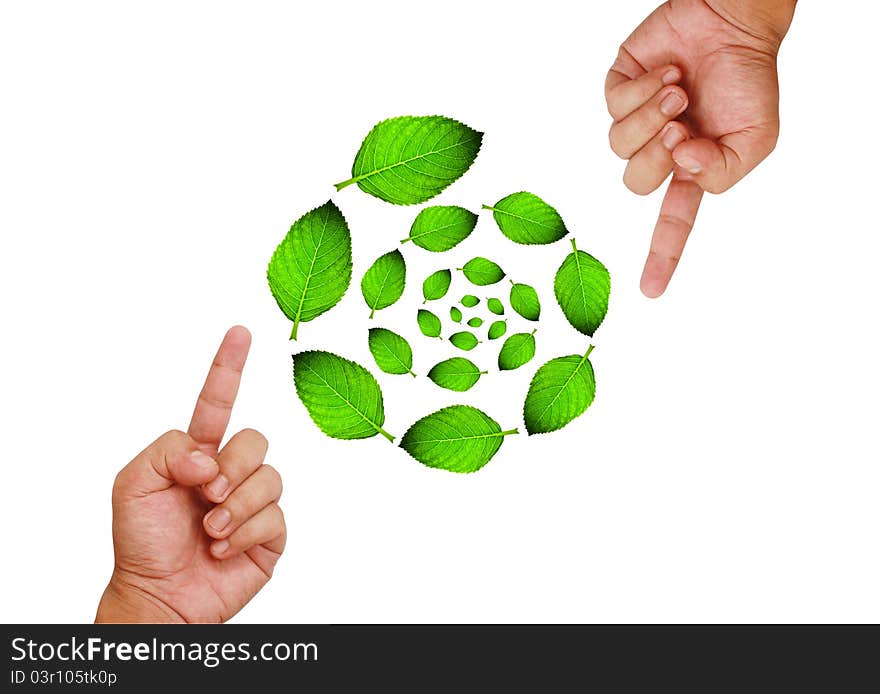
point(694, 92)
point(197, 528)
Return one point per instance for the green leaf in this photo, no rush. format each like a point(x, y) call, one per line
point(429, 324)
point(475, 322)
point(482, 271)
point(383, 282)
point(525, 218)
point(311, 269)
point(457, 374)
point(469, 300)
point(458, 438)
point(582, 287)
point(391, 351)
point(436, 285)
point(524, 300)
point(495, 306)
point(410, 159)
point(441, 227)
point(342, 397)
point(561, 390)
point(464, 340)
point(517, 350)
point(455, 314)
point(497, 329)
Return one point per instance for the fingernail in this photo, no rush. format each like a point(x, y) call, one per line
point(219, 518)
point(689, 164)
point(217, 487)
point(672, 138)
point(670, 76)
point(201, 459)
point(220, 547)
point(671, 104)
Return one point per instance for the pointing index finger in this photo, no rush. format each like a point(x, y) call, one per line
point(677, 214)
point(214, 406)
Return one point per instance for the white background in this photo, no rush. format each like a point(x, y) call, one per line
point(153, 155)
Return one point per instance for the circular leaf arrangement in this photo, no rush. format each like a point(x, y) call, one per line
point(405, 161)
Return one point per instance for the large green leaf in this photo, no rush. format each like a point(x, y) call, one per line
point(517, 350)
point(582, 287)
point(482, 271)
point(311, 269)
point(436, 285)
point(429, 323)
point(464, 340)
point(383, 282)
point(525, 218)
point(497, 329)
point(342, 397)
point(391, 351)
point(458, 438)
point(441, 227)
point(495, 306)
point(524, 300)
point(410, 159)
point(561, 390)
point(457, 374)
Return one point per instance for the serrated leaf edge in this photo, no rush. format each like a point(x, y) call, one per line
point(378, 428)
point(583, 360)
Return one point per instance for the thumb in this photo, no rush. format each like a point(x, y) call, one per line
point(173, 458)
point(718, 165)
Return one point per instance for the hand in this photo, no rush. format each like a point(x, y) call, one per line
point(196, 532)
point(712, 66)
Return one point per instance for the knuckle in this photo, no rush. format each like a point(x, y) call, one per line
point(238, 504)
point(614, 110)
point(614, 142)
point(173, 437)
point(274, 479)
point(277, 524)
point(620, 64)
point(716, 186)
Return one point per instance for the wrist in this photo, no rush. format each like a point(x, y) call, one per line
point(124, 602)
point(767, 20)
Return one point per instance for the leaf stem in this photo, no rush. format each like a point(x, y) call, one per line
point(406, 239)
point(372, 313)
point(488, 207)
point(345, 184)
point(573, 244)
point(411, 373)
point(510, 432)
point(589, 349)
point(295, 328)
point(384, 433)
